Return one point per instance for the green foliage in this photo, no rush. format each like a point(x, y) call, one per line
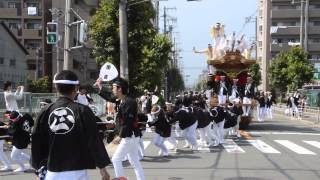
point(175, 80)
point(255, 72)
point(148, 52)
point(41, 85)
point(290, 70)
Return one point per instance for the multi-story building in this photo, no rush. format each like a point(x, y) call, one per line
point(286, 23)
point(26, 19)
point(12, 58)
point(84, 64)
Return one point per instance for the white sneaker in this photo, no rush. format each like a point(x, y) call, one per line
point(20, 169)
point(6, 168)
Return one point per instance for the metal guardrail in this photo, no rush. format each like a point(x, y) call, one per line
point(30, 103)
point(307, 113)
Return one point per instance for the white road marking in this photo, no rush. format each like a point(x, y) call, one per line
point(294, 147)
point(263, 147)
point(313, 143)
point(232, 147)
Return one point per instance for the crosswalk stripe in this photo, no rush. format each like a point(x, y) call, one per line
point(313, 143)
point(146, 144)
point(294, 147)
point(263, 147)
point(231, 147)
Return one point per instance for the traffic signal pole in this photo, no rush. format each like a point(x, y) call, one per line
point(67, 63)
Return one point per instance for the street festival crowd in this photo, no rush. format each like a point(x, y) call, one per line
point(66, 138)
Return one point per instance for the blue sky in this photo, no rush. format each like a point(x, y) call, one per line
point(194, 20)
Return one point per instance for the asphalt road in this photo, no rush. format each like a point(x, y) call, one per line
point(275, 149)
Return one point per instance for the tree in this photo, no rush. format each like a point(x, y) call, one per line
point(255, 73)
point(175, 80)
point(300, 69)
point(290, 70)
point(41, 85)
point(148, 52)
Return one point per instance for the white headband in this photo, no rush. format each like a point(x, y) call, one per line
point(62, 81)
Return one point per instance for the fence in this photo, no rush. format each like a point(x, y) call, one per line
point(30, 103)
point(306, 113)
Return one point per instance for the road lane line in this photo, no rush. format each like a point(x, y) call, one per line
point(294, 147)
point(313, 143)
point(231, 147)
point(263, 147)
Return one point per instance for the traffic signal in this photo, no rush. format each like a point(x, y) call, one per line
point(83, 32)
point(52, 33)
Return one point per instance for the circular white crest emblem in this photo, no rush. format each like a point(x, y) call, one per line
point(61, 120)
point(26, 126)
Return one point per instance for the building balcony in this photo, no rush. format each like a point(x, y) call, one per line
point(33, 54)
point(8, 13)
point(287, 30)
point(314, 47)
point(285, 13)
point(37, 16)
point(32, 34)
point(17, 32)
point(280, 47)
point(314, 13)
point(314, 30)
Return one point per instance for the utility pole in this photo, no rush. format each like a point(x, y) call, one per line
point(266, 44)
point(306, 22)
point(37, 64)
point(67, 64)
point(165, 20)
point(301, 24)
point(124, 72)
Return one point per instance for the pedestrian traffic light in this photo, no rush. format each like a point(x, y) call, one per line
point(83, 32)
point(52, 33)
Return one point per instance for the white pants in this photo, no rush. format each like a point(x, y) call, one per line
point(269, 112)
point(67, 175)
point(178, 130)
point(222, 99)
point(141, 148)
point(262, 111)
point(19, 156)
point(190, 134)
point(3, 157)
point(206, 136)
point(172, 140)
point(246, 106)
point(159, 142)
point(220, 131)
point(128, 147)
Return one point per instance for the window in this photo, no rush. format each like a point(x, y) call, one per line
point(33, 26)
point(316, 23)
point(31, 66)
point(1, 61)
point(12, 62)
point(13, 5)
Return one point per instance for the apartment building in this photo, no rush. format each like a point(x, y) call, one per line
point(26, 19)
point(286, 23)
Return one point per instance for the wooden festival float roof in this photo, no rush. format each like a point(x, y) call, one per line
point(232, 63)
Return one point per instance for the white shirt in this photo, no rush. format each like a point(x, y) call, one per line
point(11, 99)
